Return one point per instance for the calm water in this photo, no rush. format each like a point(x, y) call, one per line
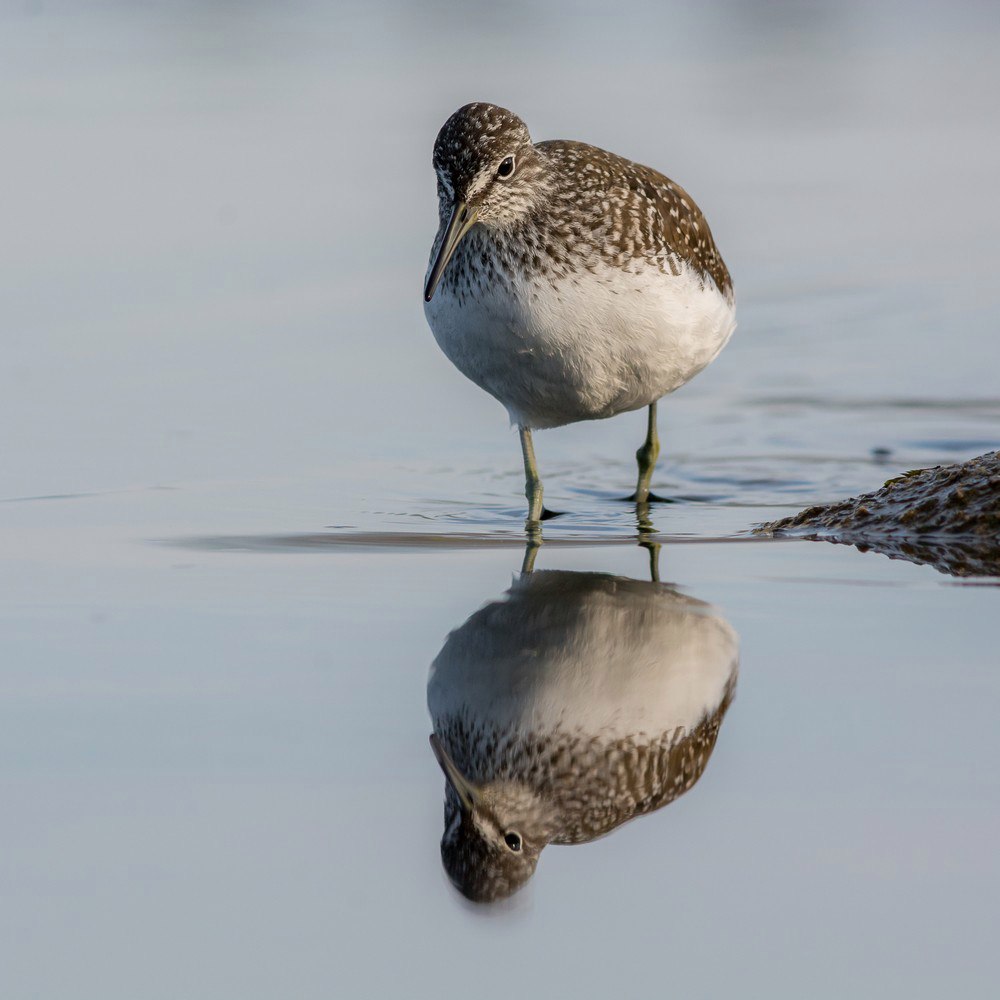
point(245, 501)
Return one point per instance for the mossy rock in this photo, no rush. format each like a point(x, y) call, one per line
point(947, 516)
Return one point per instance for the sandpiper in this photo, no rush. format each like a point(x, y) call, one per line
point(576, 703)
point(568, 282)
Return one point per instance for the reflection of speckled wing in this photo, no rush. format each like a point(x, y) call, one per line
point(649, 776)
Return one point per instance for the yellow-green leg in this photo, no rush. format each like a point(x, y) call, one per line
point(532, 483)
point(646, 535)
point(646, 457)
point(530, 552)
point(653, 548)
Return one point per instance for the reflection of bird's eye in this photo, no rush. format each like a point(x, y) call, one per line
point(505, 170)
point(512, 840)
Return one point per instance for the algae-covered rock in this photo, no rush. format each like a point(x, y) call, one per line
point(947, 516)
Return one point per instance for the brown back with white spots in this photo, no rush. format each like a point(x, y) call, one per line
point(624, 212)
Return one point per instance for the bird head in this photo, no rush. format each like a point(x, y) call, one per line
point(493, 833)
point(488, 172)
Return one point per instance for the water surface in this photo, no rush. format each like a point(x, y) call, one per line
point(245, 501)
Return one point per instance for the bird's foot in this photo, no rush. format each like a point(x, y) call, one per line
point(650, 498)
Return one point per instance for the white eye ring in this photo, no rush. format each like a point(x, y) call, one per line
point(506, 168)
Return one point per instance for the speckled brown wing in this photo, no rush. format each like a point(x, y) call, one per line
point(645, 213)
point(682, 224)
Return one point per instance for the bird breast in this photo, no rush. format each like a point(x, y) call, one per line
point(557, 345)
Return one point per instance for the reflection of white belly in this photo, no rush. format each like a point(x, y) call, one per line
point(586, 654)
point(584, 348)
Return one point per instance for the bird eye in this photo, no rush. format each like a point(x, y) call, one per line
point(512, 840)
point(506, 168)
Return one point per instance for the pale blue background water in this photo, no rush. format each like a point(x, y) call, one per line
point(213, 755)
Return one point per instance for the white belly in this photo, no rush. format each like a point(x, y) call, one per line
point(586, 347)
point(585, 654)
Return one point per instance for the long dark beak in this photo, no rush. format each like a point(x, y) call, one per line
point(462, 220)
point(466, 791)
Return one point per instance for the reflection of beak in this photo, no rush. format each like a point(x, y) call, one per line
point(462, 220)
point(466, 791)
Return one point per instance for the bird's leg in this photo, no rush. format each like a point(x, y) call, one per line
point(530, 552)
point(653, 548)
point(643, 523)
point(532, 484)
point(646, 457)
point(646, 535)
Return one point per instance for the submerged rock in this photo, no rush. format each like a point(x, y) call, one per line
point(947, 516)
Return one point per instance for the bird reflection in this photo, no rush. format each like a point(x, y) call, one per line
point(569, 706)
